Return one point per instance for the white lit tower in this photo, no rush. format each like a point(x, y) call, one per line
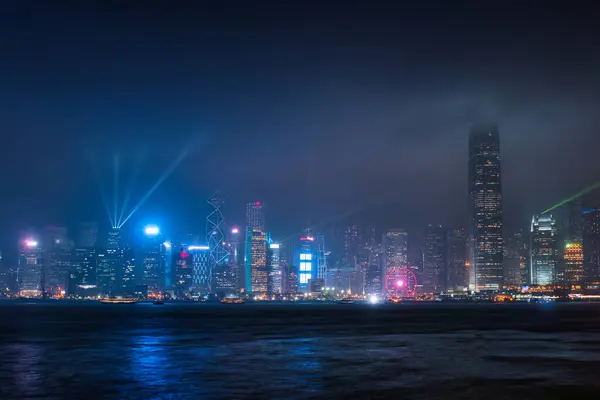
point(321, 257)
point(215, 236)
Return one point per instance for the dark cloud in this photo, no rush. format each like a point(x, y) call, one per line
point(315, 109)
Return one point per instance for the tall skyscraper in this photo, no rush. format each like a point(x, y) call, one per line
point(456, 258)
point(352, 243)
point(152, 259)
point(305, 258)
point(257, 272)
point(591, 245)
point(274, 266)
point(57, 259)
point(485, 190)
point(395, 248)
point(255, 248)
point(434, 260)
point(30, 271)
point(128, 278)
point(215, 239)
point(236, 258)
point(573, 254)
point(543, 250)
point(109, 264)
point(374, 274)
point(184, 272)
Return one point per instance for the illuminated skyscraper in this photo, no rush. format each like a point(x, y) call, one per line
point(258, 261)
point(434, 260)
point(352, 243)
point(201, 273)
point(235, 257)
point(30, 271)
point(184, 272)
point(255, 248)
point(109, 264)
point(215, 239)
point(573, 251)
point(543, 250)
point(152, 259)
point(374, 274)
point(57, 259)
point(274, 265)
point(485, 190)
point(305, 257)
point(128, 275)
point(395, 248)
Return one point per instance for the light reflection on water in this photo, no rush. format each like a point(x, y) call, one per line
point(173, 353)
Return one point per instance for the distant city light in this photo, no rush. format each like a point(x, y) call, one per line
point(274, 245)
point(151, 230)
point(167, 245)
point(373, 299)
point(257, 203)
point(193, 247)
point(235, 230)
point(308, 238)
point(31, 243)
point(400, 283)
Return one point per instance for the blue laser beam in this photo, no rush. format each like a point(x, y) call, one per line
point(160, 180)
point(115, 187)
point(127, 198)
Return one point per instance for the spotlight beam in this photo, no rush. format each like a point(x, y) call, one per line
point(575, 196)
point(134, 175)
point(160, 180)
point(115, 187)
point(103, 195)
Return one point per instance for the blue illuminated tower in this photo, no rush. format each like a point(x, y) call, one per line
point(215, 236)
point(153, 260)
point(307, 262)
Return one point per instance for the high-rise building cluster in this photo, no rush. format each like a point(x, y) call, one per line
point(560, 248)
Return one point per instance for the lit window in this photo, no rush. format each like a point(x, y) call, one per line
point(305, 266)
point(304, 278)
point(306, 256)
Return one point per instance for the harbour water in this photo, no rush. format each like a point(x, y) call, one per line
point(63, 350)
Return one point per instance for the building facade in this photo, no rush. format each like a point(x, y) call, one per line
point(30, 269)
point(591, 245)
point(456, 259)
point(434, 260)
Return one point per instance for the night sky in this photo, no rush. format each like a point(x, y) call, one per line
point(316, 108)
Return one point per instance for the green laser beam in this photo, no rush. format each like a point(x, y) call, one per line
point(576, 195)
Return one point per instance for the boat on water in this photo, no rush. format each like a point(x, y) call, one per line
point(233, 300)
point(346, 300)
point(117, 300)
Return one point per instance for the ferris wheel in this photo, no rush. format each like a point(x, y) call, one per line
point(400, 282)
